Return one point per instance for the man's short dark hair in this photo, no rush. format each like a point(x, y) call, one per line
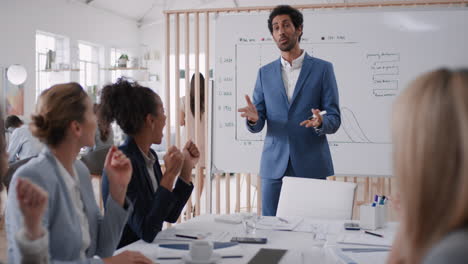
point(13, 121)
point(295, 15)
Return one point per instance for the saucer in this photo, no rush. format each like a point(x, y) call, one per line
point(215, 257)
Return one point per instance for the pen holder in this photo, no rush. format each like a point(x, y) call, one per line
point(372, 217)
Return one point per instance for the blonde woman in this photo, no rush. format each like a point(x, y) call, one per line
point(77, 232)
point(430, 134)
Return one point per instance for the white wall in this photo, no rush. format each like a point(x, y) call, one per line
point(19, 20)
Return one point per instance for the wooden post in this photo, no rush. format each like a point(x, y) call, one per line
point(218, 193)
point(248, 190)
point(238, 191)
point(228, 193)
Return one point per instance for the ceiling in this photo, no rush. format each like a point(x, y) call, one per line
point(146, 12)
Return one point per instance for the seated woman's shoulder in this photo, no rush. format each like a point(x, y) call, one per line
point(453, 249)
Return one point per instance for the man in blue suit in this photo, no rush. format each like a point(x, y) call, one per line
point(286, 92)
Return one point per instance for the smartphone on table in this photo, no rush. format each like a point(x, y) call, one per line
point(249, 240)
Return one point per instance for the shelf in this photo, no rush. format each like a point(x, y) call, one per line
point(50, 70)
point(125, 69)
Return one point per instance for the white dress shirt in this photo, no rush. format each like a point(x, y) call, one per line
point(150, 167)
point(290, 73)
point(73, 186)
point(23, 144)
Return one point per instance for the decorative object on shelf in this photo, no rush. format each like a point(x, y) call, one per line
point(122, 62)
point(16, 74)
point(13, 90)
point(50, 58)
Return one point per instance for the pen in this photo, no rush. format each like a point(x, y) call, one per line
point(185, 236)
point(321, 113)
point(374, 234)
point(283, 220)
point(171, 258)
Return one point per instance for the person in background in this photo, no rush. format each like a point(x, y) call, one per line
point(12, 122)
point(32, 239)
point(190, 118)
point(140, 113)
point(22, 143)
point(431, 169)
point(77, 232)
point(104, 137)
point(104, 134)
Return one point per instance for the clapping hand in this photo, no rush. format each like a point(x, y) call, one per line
point(119, 171)
point(191, 154)
point(32, 201)
point(173, 160)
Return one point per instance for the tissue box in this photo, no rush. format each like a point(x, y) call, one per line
point(373, 217)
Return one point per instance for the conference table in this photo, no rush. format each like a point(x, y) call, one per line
point(310, 241)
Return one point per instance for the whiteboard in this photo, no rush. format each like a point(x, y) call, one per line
point(375, 55)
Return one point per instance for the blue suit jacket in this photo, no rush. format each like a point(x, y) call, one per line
point(150, 209)
point(307, 147)
point(60, 218)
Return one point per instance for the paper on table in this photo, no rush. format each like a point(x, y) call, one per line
point(163, 252)
point(170, 234)
point(229, 219)
point(275, 223)
point(363, 239)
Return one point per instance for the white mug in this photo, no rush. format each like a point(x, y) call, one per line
point(201, 250)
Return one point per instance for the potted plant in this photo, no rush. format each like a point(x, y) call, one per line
point(122, 62)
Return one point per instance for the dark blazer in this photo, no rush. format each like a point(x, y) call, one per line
point(151, 208)
point(285, 138)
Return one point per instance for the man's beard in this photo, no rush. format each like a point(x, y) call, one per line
point(290, 45)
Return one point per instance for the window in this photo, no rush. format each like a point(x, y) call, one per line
point(89, 68)
point(114, 57)
point(56, 69)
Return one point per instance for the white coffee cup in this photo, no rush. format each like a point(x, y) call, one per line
point(201, 250)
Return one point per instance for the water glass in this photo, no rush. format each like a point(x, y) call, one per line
point(249, 222)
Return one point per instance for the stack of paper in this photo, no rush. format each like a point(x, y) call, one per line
point(362, 239)
point(173, 252)
point(277, 223)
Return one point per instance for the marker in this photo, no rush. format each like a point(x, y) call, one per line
point(382, 201)
point(283, 220)
point(373, 234)
point(321, 113)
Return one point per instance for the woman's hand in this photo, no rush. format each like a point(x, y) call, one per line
point(191, 157)
point(119, 172)
point(191, 154)
point(173, 160)
point(32, 201)
point(131, 257)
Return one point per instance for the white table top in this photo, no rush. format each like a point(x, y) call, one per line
point(303, 247)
